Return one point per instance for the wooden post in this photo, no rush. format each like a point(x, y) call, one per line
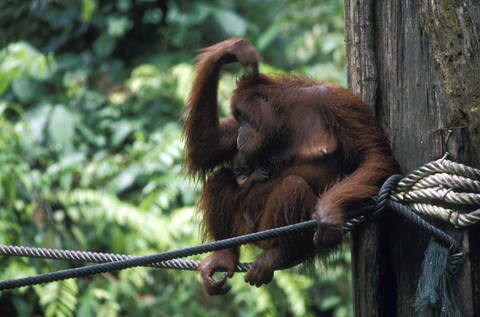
point(417, 63)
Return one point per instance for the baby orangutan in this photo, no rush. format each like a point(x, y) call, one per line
point(247, 174)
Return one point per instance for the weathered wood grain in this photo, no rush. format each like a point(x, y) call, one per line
point(417, 63)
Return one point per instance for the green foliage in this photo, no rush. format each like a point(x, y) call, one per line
point(22, 65)
point(58, 298)
point(91, 99)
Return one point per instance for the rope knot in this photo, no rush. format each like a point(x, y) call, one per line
point(384, 195)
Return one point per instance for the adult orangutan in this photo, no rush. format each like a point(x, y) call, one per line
point(316, 146)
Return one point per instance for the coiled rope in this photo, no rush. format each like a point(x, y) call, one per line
point(436, 183)
point(395, 190)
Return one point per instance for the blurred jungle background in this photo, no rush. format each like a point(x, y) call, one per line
point(91, 95)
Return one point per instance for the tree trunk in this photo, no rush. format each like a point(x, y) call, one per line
point(417, 63)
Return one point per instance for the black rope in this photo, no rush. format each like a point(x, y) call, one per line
point(420, 223)
point(382, 202)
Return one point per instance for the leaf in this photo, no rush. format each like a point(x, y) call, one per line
point(3, 106)
point(124, 5)
point(87, 306)
point(41, 67)
point(109, 309)
point(88, 7)
point(121, 130)
point(4, 82)
point(127, 178)
point(330, 301)
point(61, 128)
point(10, 187)
point(118, 241)
point(330, 43)
point(268, 36)
point(104, 45)
point(79, 236)
point(118, 26)
point(66, 162)
point(58, 298)
point(37, 120)
point(230, 22)
point(153, 16)
point(23, 59)
point(24, 89)
point(97, 140)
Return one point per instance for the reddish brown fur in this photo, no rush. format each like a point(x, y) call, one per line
point(325, 151)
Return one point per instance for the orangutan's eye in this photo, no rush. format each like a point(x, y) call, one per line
point(261, 96)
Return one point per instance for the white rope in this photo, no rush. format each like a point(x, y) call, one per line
point(442, 189)
point(455, 181)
